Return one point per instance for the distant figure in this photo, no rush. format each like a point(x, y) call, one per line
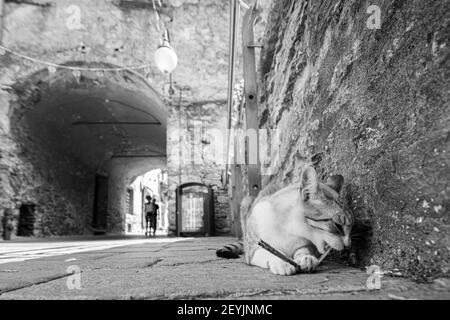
point(149, 208)
point(154, 216)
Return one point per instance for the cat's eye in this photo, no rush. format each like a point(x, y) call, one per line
point(339, 228)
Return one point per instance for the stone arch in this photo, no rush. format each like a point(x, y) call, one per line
point(64, 129)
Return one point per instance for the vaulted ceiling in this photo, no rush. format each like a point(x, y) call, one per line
point(95, 119)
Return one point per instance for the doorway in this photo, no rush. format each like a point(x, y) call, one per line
point(195, 210)
point(153, 183)
point(100, 216)
point(26, 220)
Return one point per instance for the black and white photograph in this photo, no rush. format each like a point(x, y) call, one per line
point(232, 151)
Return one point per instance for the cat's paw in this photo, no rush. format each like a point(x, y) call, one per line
point(279, 267)
point(307, 263)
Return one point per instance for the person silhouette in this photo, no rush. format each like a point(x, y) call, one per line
point(148, 214)
point(154, 216)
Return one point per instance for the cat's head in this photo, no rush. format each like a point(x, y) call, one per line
point(324, 206)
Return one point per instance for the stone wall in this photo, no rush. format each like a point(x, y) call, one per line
point(372, 105)
point(33, 172)
point(61, 189)
point(125, 33)
point(196, 141)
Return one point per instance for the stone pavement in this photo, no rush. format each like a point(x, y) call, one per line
point(189, 269)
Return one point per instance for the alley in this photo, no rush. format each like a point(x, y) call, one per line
point(26, 250)
point(321, 128)
point(177, 268)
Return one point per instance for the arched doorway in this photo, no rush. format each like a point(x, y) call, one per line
point(195, 210)
point(79, 141)
point(153, 184)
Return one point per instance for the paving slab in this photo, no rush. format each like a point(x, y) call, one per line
point(190, 270)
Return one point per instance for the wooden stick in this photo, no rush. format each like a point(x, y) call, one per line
point(277, 253)
point(324, 255)
point(283, 257)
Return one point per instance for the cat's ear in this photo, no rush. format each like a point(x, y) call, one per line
point(335, 182)
point(309, 182)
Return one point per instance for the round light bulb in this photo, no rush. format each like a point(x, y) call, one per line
point(166, 58)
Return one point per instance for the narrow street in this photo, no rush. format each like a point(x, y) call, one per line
point(27, 250)
point(176, 268)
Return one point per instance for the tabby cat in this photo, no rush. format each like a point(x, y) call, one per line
point(300, 221)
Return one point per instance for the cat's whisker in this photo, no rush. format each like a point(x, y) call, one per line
point(357, 235)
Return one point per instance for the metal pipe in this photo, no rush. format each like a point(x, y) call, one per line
point(251, 101)
point(234, 7)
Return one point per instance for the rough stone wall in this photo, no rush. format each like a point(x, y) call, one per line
point(33, 173)
point(195, 135)
point(61, 189)
point(125, 33)
point(372, 105)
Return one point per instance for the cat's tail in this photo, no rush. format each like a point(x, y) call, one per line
point(234, 250)
point(231, 251)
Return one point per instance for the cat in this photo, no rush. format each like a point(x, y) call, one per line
point(299, 220)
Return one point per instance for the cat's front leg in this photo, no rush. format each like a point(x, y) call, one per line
point(306, 259)
point(265, 259)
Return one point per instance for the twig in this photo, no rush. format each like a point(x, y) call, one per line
point(324, 255)
point(30, 2)
point(277, 253)
point(283, 257)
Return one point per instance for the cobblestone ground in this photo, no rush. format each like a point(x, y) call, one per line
point(169, 268)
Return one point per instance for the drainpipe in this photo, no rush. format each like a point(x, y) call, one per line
point(234, 12)
point(251, 95)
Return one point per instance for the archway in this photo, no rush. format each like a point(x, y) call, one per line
point(153, 184)
point(69, 131)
